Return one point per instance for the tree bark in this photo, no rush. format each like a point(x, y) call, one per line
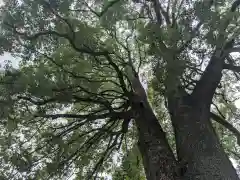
point(158, 159)
point(198, 147)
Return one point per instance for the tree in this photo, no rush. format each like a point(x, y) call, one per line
point(77, 98)
point(131, 167)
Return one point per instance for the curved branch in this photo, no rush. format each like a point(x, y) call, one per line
point(227, 125)
point(55, 33)
point(235, 5)
point(110, 4)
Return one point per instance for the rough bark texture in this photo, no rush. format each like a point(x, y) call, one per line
point(158, 158)
point(159, 161)
point(198, 147)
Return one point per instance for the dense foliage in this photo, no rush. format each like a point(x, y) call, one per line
point(66, 110)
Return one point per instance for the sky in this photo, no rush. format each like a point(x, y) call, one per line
point(7, 57)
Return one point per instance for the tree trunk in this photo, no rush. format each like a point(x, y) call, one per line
point(158, 159)
point(198, 147)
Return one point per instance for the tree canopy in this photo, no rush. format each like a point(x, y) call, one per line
point(68, 110)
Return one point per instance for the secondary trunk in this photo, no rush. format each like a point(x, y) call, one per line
point(198, 147)
point(158, 159)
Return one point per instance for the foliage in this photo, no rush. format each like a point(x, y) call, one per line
point(64, 110)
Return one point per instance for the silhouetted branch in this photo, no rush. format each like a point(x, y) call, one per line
point(206, 86)
point(119, 73)
point(119, 115)
point(227, 125)
point(235, 5)
point(55, 33)
point(110, 4)
point(231, 67)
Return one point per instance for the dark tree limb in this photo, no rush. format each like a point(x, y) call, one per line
point(81, 50)
point(156, 6)
point(74, 75)
point(55, 33)
point(165, 15)
point(235, 5)
point(110, 4)
point(234, 49)
point(92, 116)
point(218, 110)
point(125, 124)
point(105, 9)
point(231, 67)
point(227, 125)
point(206, 86)
point(119, 73)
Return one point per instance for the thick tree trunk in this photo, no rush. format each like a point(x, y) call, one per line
point(198, 147)
point(158, 159)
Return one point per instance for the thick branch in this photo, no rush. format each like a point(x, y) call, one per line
point(110, 4)
point(206, 86)
point(156, 6)
point(234, 49)
point(104, 10)
point(235, 5)
point(227, 125)
point(211, 77)
point(231, 67)
point(165, 15)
